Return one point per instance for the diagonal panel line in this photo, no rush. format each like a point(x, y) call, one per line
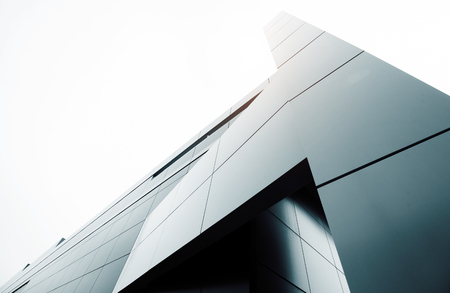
point(384, 157)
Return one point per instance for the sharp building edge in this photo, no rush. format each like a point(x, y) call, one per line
point(331, 176)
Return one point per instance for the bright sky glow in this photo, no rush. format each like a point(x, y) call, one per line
point(94, 94)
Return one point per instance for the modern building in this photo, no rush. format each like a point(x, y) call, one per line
point(336, 142)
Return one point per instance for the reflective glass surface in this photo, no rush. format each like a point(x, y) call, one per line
point(363, 111)
point(248, 171)
point(389, 220)
point(322, 275)
point(285, 32)
point(294, 43)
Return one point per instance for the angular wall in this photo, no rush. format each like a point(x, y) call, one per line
point(336, 142)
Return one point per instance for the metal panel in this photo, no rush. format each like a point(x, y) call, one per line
point(295, 43)
point(293, 25)
point(364, 111)
point(270, 152)
point(390, 221)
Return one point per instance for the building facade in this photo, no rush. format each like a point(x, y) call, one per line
point(336, 142)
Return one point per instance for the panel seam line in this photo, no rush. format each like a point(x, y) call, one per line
point(383, 158)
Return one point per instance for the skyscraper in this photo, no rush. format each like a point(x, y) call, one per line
point(336, 142)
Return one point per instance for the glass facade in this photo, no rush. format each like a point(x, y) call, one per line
point(330, 176)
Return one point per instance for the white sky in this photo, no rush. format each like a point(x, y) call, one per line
point(94, 94)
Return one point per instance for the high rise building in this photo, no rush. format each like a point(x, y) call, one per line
point(336, 142)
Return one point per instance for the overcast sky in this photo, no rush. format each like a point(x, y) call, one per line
point(94, 94)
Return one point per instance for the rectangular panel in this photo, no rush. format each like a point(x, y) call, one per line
point(99, 238)
point(279, 249)
point(117, 226)
point(323, 276)
point(284, 211)
point(317, 60)
point(139, 213)
point(312, 232)
point(125, 243)
point(71, 287)
point(139, 260)
point(102, 255)
point(390, 220)
point(183, 225)
point(196, 176)
point(278, 25)
point(267, 155)
point(337, 260)
point(363, 111)
point(87, 282)
point(159, 214)
point(84, 264)
point(108, 276)
point(295, 43)
point(293, 25)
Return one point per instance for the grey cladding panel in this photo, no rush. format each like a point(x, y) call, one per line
point(299, 39)
point(249, 171)
point(363, 111)
point(285, 32)
point(390, 221)
point(282, 21)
